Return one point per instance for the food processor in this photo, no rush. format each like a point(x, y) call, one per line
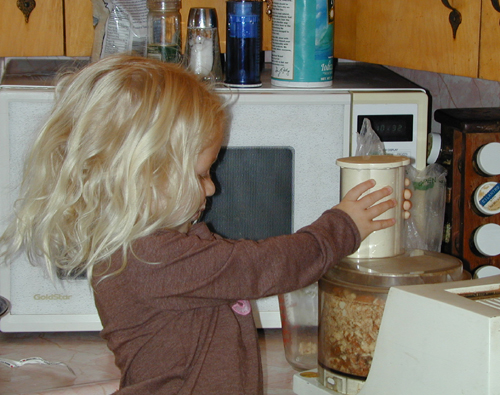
point(352, 295)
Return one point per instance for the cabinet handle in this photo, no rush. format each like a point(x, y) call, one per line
point(455, 17)
point(496, 5)
point(26, 6)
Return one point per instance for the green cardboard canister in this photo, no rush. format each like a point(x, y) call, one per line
point(302, 43)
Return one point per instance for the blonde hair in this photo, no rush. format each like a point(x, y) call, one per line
point(114, 162)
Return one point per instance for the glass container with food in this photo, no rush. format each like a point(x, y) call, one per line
point(352, 298)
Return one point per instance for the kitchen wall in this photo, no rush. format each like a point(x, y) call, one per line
point(449, 91)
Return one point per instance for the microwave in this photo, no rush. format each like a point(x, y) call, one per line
point(276, 172)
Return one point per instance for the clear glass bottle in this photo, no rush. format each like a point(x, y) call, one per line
point(164, 30)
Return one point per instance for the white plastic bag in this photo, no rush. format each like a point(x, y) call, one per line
point(368, 142)
point(425, 226)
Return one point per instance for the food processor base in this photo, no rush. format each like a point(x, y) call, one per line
point(307, 383)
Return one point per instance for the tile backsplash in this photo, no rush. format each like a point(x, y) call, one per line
point(450, 91)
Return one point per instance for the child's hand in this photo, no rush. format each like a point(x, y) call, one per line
point(364, 210)
point(407, 196)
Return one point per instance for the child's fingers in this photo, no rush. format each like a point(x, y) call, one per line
point(375, 196)
point(355, 193)
point(381, 208)
point(383, 224)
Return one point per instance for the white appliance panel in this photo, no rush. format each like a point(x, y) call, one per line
point(315, 124)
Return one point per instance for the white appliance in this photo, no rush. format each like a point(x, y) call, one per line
point(434, 339)
point(308, 129)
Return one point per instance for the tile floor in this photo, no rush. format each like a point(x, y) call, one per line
point(93, 364)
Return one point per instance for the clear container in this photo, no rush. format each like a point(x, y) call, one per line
point(352, 297)
point(299, 321)
point(164, 30)
point(202, 54)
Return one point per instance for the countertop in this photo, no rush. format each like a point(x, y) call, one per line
point(86, 354)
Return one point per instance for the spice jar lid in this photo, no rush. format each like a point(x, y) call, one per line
point(373, 162)
point(487, 159)
point(487, 198)
point(412, 267)
point(487, 239)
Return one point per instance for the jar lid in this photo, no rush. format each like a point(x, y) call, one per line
point(487, 198)
point(163, 5)
point(412, 267)
point(487, 159)
point(202, 18)
point(373, 162)
point(487, 239)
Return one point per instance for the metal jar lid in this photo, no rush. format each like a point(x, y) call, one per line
point(202, 18)
point(411, 268)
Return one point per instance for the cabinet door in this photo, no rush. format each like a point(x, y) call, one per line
point(411, 34)
point(42, 36)
point(489, 59)
point(79, 27)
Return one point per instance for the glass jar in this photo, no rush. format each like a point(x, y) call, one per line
point(352, 297)
point(164, 30)
point(202, 53)
point(299, 321)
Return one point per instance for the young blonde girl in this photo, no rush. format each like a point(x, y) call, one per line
point(113, 187)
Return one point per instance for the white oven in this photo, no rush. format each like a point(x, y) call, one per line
point(281, 153)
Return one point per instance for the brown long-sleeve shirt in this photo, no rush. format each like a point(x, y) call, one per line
point(172, 317)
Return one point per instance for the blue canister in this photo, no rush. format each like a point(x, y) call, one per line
point(243, 43)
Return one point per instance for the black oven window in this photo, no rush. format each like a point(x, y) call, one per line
point(254, 194)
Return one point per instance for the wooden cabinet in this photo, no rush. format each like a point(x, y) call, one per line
point(55, 28)
point(64, 27)
point(418, 35)
point(489, 51)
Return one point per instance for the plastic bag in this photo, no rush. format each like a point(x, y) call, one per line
point(424, 229)
point(368, 142)
point(119, 26)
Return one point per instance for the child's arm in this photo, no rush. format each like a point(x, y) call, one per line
point(363, 211)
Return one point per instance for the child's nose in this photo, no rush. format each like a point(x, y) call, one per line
point(209, 187)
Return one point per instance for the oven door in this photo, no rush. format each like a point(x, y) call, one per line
point(37, 303)
point(313, 127)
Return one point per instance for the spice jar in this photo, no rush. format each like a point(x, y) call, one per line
point(164, 30)
point(202, 54)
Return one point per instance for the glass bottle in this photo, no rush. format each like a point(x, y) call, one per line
point(164, 30)
point(243, 43)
